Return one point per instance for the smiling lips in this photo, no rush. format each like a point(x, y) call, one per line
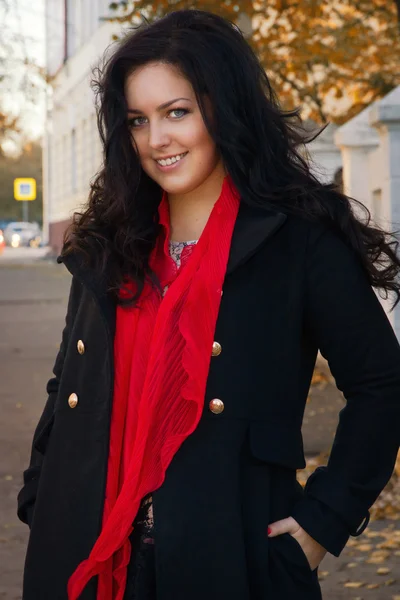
point(171, 160)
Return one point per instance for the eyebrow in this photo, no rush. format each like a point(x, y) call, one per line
point(161, 107)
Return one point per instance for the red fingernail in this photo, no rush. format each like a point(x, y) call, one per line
point(269, 530)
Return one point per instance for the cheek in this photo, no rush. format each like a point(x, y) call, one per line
point(206, 147)
point(203, 140)
point(141, 147)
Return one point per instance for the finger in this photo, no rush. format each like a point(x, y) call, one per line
point(282, 526)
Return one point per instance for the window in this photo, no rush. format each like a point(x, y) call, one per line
point(73, 162)
point(377, 205)
point(71, 28)
point(95, 13)
point(84, 156)
point(65, 162)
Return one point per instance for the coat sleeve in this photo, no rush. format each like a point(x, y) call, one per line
point(27, 495)
point(351, 329)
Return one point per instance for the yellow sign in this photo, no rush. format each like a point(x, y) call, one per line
point(25, 188)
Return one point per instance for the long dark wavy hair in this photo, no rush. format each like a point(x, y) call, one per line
point(263, 149)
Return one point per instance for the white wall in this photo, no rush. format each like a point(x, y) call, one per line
point(72, 152)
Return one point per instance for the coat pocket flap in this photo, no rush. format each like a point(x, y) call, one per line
point(280, 445)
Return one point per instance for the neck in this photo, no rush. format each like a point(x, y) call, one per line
point(189, 212)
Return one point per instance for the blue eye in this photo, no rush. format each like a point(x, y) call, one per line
point(132, 122)
point(138, 121)
point(179, 110)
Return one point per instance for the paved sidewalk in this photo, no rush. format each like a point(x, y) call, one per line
point(21, 256)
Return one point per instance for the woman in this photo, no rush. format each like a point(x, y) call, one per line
point(208, 260)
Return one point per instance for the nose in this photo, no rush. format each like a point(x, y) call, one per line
point(158, 137)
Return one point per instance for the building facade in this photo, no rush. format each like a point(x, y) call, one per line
point(77, 35)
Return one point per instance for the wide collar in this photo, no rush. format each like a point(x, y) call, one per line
point(253, 227)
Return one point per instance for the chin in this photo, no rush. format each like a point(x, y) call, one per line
point(176, 188)
point(178, 185)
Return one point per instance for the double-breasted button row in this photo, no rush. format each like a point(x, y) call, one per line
point(216, 405)
point(73, 398)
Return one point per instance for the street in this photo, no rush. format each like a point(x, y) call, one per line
point(33, 297)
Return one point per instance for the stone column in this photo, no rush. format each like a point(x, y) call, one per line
point(356, 140)
point(385, 118)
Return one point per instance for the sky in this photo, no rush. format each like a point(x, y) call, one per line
point(26, 20)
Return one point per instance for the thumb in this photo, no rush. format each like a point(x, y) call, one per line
point(288, 525)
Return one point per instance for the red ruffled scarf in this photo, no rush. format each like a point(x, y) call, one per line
point(162, 357)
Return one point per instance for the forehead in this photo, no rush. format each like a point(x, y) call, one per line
point(153, 84)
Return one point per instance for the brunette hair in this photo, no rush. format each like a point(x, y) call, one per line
point(263, 149)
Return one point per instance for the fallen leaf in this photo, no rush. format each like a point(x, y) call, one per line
point(364, 547)
point(390, 582)
point(377, 557)
point(389, 544)
point(375, 560)
point(383, 570)
point(373, 586)
point(373, 534)
point(354, 584)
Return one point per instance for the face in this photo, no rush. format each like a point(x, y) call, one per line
point(166, 124)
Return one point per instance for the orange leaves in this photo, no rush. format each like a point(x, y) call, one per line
point(348, 41)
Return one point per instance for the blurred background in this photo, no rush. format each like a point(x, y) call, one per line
point(339, 60)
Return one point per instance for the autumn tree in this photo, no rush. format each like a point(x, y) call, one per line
point(21, 78)
point(332, 57)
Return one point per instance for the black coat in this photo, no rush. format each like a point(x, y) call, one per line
point(292, 287)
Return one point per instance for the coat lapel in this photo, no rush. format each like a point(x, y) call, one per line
point(96, 284)
point(252, 229)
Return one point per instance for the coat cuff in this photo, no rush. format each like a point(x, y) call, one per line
point(322, 524)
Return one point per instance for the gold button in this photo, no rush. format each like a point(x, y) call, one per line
point(73, 400)
point(216, 406)
point(81, 347)
point(216, 349)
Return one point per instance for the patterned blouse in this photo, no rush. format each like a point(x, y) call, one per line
point(141, 571)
